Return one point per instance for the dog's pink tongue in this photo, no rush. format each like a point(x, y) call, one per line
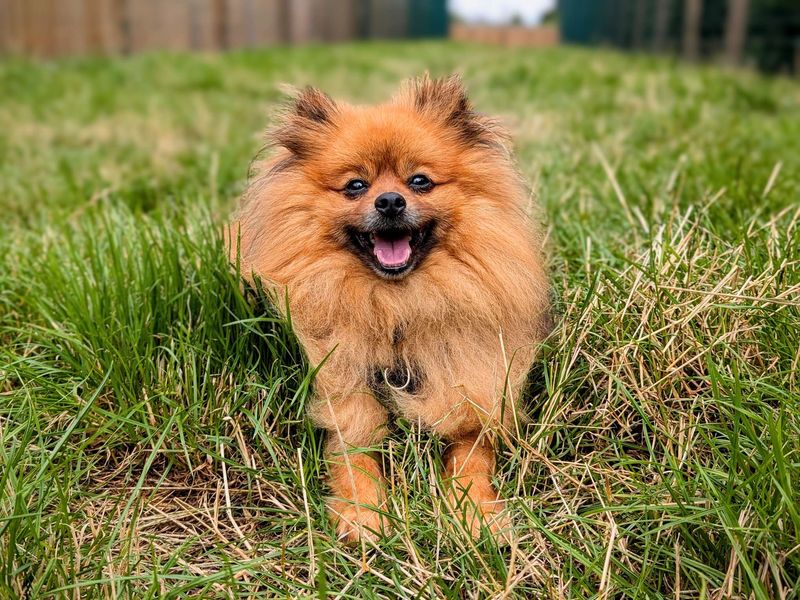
point(392, 253)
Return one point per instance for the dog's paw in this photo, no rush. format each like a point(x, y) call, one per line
point(497, 517)
point(355, 523)
point(477, 510)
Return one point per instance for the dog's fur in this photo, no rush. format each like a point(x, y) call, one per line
point(447, 345)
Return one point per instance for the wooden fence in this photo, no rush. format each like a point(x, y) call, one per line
point(513, 36)
point(63, 27)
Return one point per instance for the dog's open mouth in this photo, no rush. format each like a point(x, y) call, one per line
point(392, 252)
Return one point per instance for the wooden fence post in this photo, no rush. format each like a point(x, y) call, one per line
point(300, 21)
point(219, 20)
point(121, 27)
point(736, 31)
point(340, 23)
point(661, 27)
point(692, 14)
point(12, 27)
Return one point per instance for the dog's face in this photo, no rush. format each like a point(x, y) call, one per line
point(390, 184)
point(389, 180)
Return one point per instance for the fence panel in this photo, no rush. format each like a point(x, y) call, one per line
point(62, 27)
point(761, 33)
point(256, 23)
point(155, 24)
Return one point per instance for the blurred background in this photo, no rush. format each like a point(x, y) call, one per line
point(761, 33)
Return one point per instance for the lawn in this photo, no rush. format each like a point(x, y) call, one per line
point(152, 433)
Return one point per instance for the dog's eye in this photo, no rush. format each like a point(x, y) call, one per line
point(355, 187)
point(420, 183)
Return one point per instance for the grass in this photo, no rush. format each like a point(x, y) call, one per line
point(152, 432)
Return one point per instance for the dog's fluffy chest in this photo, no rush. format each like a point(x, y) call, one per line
point(401, 376)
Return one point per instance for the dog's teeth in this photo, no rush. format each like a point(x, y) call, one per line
point(372, 237)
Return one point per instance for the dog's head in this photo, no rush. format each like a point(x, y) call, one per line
point(393, 183)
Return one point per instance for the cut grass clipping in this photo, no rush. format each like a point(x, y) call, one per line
point(152, 433)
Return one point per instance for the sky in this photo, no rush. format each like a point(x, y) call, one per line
point(500, 11)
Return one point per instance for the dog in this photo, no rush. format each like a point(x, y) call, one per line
point(401, 239)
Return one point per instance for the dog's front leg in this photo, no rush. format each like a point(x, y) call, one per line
point(354, 424)
point(469, 467)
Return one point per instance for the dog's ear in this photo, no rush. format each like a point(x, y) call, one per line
point(314, 105)
point(446, 101)
point(309, 115)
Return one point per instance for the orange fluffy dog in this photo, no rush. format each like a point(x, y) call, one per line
point(414, 275)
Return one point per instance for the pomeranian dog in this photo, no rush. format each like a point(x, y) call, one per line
point(400, 235)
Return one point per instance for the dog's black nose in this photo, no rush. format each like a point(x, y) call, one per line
point(390, 204)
